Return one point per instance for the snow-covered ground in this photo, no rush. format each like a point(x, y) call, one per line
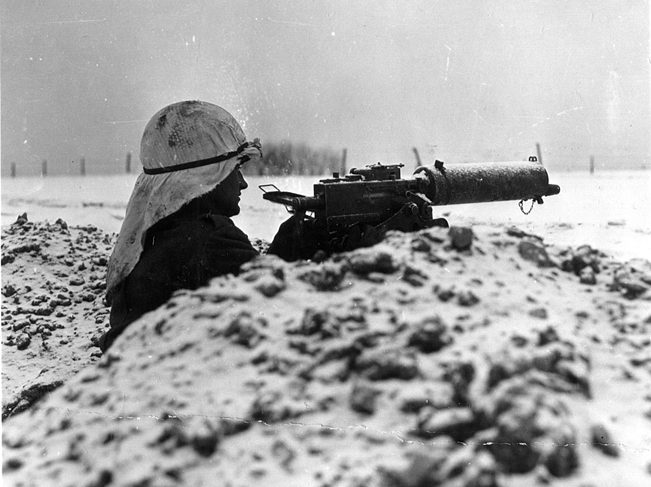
point(609, 209)
point(429, 359)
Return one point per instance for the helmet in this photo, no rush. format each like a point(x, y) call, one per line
point(188, 131)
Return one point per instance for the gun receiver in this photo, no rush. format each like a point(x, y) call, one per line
point(376, 195)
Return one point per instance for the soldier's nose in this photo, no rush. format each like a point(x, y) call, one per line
point(243, 183)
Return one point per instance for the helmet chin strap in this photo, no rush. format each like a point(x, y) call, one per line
point(246, 152)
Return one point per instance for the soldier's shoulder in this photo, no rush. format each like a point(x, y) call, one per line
point(218, 221)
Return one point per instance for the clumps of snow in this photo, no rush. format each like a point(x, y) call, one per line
point(633, 279)
point(460, 358)
point(53, 310)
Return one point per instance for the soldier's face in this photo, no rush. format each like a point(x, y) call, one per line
point(227, 193)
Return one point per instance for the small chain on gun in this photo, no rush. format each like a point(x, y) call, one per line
point(521, 205)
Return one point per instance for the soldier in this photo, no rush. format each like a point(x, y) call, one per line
point(177, 232)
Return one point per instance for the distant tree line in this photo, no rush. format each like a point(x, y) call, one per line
point(285, 157)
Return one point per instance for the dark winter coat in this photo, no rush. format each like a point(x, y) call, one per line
point(183, 251)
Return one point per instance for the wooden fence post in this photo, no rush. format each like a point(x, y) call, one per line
point(44, 168)
point(418, 161)
point(128, 163)
point(82, 166)
point(591, 164)
point(344, 153)
point(538, 152)
point(13, 169)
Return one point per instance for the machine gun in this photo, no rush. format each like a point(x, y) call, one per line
point(375, 199)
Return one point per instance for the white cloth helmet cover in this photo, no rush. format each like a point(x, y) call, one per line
point(187, 149)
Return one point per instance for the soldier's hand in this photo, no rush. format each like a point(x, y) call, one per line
point(295, 239)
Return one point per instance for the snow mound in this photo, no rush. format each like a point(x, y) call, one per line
point(53, 309)
point(461, 358)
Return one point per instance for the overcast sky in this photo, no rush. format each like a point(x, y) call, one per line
point(460, 80)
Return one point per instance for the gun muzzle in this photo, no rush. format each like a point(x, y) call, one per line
point(552, 189)
point(484, 182)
